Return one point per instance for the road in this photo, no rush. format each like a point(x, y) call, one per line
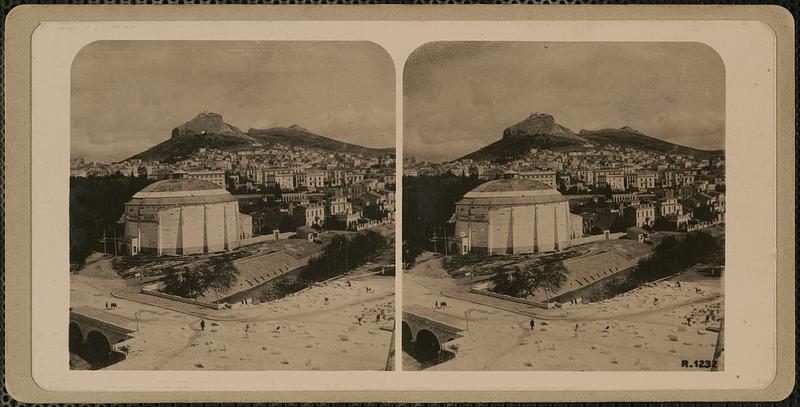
point(628, 332)
point(300, 332)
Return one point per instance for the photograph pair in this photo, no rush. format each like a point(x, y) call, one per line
point(276, 205)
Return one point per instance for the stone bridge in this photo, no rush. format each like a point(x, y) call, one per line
point(426, 330)
point(95, 332)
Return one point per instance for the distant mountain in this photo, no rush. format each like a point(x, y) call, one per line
point(541, 131)
point(540, 124)
point(295, 135)
point(209, 130)
point(627, 137)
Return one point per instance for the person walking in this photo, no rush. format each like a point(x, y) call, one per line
point(576, 329)
point(533, 324)
point(202, 325)
point(106, 305)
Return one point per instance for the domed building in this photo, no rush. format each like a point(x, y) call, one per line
point(513, 215)
point(183, 216)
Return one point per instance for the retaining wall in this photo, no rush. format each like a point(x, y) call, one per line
point(596, 238)
point(266, 238)
point(509, 298)
point(181, 299)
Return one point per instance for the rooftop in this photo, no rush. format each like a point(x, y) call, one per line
point(180, 184)
point(512, 191)
point(182, 191)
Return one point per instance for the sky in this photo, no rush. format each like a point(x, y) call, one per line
point(127, 96)
point(460, 96)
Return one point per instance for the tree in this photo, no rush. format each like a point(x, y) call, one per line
point(522, 282)
point(95, 206)
point(221, 278)
point(504, 284)
point(672, 255)
point(343, 254)
point(184, 283)
point(194, 283)
point(550, 278)
point(287, 224)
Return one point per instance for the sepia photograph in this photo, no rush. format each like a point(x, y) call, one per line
point(232, 206)
point(399, 204)
point(563, 207)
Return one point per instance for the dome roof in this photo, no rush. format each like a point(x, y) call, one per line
point(512, 191)
point(182, 191)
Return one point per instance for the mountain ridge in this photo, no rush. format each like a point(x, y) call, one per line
point(209, 130)
point(541, 131)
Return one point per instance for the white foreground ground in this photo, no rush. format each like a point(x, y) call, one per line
point(300, 332)
point(629, 332)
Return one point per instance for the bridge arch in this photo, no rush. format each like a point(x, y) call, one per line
point(408, 337)
point(99, 347)
point(75, 338)
point(427, 346)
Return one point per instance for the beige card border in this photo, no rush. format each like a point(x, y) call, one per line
point(24, 19)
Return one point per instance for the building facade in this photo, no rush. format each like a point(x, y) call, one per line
point(216, 177)
point(513, 216)
point(182, 216)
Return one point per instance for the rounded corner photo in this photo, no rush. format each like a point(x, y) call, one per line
point(563, 207)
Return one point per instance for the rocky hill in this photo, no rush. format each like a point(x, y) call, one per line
point(627, 137)
point(295, 135)
point(541, 131)
point(209, 130)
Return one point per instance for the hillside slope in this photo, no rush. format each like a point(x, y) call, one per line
point(210, 131)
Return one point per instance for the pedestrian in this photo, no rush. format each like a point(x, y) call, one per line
point(576, 329)
point(202, 325)
point(436, 305)
point(106, 305)
point(533, 324)
point(246, 328)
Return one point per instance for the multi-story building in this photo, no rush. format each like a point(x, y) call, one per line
point(339, 205)
point(216, 177)
point(639, 215)
point(315, 179)
point(309, 214)
point(615, 181)
point(645, 180)
point(294, 197)
point(546, 177)
point(668, 206)
point(284, 181)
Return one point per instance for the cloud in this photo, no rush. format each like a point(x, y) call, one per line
point(129, 95)
point(456, 93)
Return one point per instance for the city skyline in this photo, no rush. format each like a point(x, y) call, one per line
point(449, 113)
point(127, 96)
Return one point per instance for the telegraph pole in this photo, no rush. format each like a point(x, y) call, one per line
point(115, 241)
point(444, 236)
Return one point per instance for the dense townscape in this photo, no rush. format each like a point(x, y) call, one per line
point(615, 187)
point(215, 227)
point(535, 242)
point(281, 187)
